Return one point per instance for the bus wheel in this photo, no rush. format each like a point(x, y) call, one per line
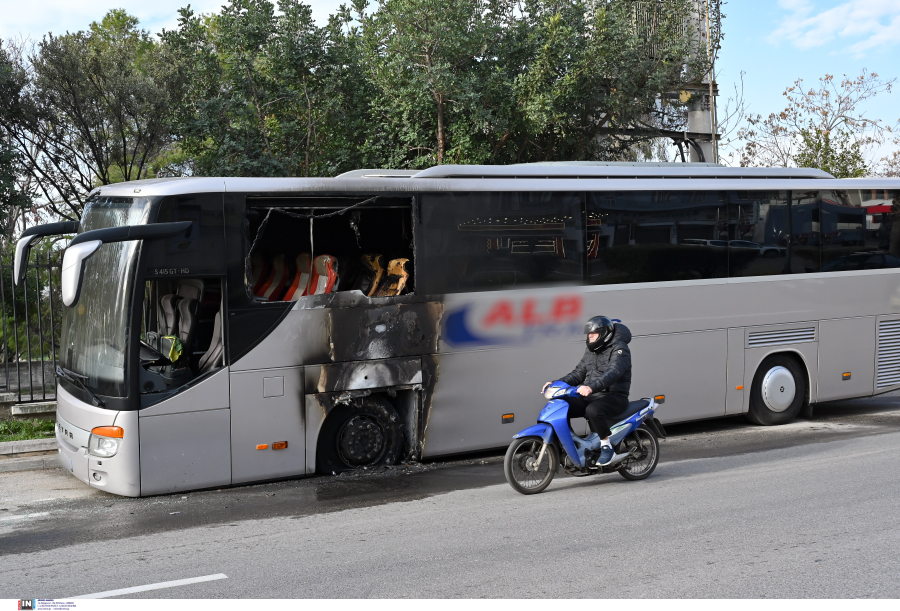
point(365, 433)
point(778, 391)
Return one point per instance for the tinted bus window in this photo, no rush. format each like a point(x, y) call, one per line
point(770, 233)
point(652, 236)
point(856, 230)
point(488, 241)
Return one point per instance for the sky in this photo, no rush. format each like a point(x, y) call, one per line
point(774, 42)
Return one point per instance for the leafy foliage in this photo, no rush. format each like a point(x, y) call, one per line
point(18, 430)
point(413, 83)
point(86, 109)
point(820, 127)
point(837, 153)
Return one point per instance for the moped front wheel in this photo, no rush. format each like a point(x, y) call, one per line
point(524, 472)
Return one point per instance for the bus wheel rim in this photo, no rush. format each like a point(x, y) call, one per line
point(361, 441)
point(778, 389)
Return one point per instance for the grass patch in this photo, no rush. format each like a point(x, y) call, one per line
point(17, 430)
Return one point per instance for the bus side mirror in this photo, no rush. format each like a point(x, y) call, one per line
point(73, 269)
point(23, 246)
point(23, 249)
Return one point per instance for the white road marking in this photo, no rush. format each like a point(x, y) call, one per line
point(25, 515)
point(152, 586)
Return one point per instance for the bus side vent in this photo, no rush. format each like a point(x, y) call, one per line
point(757, 339)
point(888, 354)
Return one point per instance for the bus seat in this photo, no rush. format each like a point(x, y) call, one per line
point(210, 359)
point(300, 282)
point(374, 268)
point(187, 322)
point(273, 287)
point(395, 282)
point(259, 270)
point(168, 314)
point(190, 288)
point(324, 275)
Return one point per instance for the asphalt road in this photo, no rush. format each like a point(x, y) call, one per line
point(733, 510)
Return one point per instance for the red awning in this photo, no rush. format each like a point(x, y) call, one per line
point(877, 209)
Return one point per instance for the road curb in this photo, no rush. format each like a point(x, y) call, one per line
point(11, 448)
point(32, 463)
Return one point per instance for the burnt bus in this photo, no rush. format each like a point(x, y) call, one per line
point(221, 331)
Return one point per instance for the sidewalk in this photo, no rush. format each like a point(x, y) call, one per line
point(28, 455)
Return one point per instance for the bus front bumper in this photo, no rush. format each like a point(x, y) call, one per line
point(117, 474)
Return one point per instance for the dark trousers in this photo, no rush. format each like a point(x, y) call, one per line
point(601, 411)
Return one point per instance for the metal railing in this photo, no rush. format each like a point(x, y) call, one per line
point(30, 329)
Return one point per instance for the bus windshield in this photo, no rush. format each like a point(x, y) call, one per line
point(94, 331)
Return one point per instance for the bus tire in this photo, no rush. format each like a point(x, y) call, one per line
point(779, 391)
point(364, 433)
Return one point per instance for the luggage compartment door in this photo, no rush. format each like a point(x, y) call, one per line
point(846, 358)
point(688, 368)
point(267, 424)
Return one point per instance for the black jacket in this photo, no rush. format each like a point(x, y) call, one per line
point(608, 370)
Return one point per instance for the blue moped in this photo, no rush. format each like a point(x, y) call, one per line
point(533, 457)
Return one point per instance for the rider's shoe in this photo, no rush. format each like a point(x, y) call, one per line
point(606, 455)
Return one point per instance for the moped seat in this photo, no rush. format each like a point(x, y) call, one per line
point(633, 408)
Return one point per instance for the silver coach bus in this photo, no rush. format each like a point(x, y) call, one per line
point(222, 331)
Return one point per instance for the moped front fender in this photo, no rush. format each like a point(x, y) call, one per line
point(541, 429)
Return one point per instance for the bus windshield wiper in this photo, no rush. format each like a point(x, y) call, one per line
point(78, 380)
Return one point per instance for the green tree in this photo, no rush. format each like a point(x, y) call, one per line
point(13, 199)
point(267, 94)
point(86, 109)
point(837, 153)
point(822, 126)
point(497, 81)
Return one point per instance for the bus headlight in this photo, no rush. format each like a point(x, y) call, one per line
point(104, 441)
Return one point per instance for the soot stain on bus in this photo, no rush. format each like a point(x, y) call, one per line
point(386, 350)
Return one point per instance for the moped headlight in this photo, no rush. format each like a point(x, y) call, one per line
point(104, 441)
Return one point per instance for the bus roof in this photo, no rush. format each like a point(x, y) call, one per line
point(549, 176)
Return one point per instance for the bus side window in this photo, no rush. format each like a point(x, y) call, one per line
point(182, 328)
point(654, 236)
point(488, 241)
point(772, 233)
point(368, 249)
point(855, 237)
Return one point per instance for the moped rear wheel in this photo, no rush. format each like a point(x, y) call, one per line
point(646, 448)
point(523, 471)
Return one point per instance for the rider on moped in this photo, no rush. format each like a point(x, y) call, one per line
point(604, 379)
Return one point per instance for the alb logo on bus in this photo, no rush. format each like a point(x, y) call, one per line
point(510, 321)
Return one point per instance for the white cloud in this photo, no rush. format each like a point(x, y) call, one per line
point(34, 18)
point(856, 27)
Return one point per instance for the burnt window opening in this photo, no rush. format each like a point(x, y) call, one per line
point(368, 248)
point(181, 332)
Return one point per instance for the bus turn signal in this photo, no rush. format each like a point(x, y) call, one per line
point(108, 431)
point(739, 387)
point(262, 446)
point(279, 445)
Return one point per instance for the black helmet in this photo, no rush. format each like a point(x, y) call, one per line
point(602, 326)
